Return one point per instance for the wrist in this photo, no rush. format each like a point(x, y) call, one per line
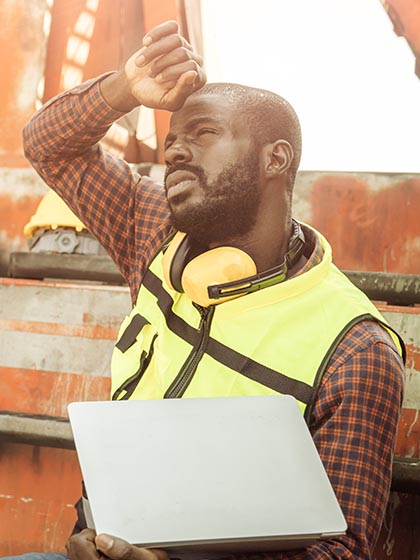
point(116, 92)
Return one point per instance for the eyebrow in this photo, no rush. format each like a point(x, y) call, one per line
point(193, 123)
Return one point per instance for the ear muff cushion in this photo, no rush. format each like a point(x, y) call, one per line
point(214, 267)
point(170, 255)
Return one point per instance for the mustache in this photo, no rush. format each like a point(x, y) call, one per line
point(195, 169)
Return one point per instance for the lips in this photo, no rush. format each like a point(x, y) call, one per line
point(177, 177)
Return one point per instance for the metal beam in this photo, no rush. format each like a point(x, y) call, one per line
point(45, 431)
point(392, 287)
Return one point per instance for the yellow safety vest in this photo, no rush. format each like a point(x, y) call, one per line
point(276, 340)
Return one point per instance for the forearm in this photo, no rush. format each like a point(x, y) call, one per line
point(68, 125)
point(61, 142)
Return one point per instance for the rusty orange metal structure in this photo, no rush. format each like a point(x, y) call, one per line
point(56, 344)
point(405, 15)
point(56, 338)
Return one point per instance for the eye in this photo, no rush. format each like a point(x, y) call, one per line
point(203, 131)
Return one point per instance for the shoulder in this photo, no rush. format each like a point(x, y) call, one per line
point(364, 379)
point(366, 363)
point(366, 337)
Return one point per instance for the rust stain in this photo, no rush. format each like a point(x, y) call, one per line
point(60, 329)
point(54, 284)
point(413, 357)
point(405, 15)
point(34, 513)
point(408, 436)
point(40, 392)
point(22, 39)
point(373, 230)
point(415, 310)
point(108, 322)
point(15, 214)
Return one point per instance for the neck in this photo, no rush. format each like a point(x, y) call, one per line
point(268, 240)
point(266, 249)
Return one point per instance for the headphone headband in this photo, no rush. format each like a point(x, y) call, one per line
point(211, 276)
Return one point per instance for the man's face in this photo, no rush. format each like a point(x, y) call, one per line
point(212, 174)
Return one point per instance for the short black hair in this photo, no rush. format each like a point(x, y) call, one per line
point(268, 115)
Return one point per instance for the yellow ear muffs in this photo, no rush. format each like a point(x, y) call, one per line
point(211, 268)
point(216, 266)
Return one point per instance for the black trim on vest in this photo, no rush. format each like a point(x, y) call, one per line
point(338, 339)
point(80, 512)
point(130, 384)
point(227, 356)
point(128, 338)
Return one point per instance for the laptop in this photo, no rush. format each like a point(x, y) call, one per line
point(208, 476)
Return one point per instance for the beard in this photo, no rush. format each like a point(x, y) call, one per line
point(228, 208)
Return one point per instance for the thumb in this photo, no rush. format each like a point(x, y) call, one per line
point(118, 549)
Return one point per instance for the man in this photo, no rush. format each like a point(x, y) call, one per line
point(247, 302)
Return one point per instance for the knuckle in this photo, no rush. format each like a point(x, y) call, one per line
point(177, 41)
point(186, 44)
point(192, 65)
point(79, 543)
point(154, 68)
point(183, 54)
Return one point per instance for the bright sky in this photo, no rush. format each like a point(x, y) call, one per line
point(338, 62)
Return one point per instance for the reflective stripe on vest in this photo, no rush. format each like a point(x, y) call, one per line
point(276, 340)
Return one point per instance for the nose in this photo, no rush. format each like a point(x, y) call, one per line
point(177, 153)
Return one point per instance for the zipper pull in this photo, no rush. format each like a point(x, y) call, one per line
point(203, 315)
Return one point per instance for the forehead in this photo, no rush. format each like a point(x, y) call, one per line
point(210, 107)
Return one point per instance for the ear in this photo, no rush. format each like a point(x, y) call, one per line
point(278, 158)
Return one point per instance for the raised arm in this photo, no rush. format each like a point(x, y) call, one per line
point(62, 143)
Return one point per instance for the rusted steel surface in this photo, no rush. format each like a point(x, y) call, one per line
point(370, 219)
point(400, 535)
point(405, 15)
point(406, 475)
point(58, 338)
point(23, 39)
point(21, 190)
point(48, 327)
point(38, 489)
point(89, 38)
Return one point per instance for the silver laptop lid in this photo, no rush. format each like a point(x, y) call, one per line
point(232, 474)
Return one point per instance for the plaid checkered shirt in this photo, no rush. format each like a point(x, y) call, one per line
point(357, 409)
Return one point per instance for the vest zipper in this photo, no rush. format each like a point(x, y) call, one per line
point(185, 375)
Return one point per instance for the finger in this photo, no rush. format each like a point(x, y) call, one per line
point(82, 546)
point(118, 549)
point(173, 73)
point(187, 84)
point(173, 58)
point(160, 48)
point(184, 87)
point(161, 30)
